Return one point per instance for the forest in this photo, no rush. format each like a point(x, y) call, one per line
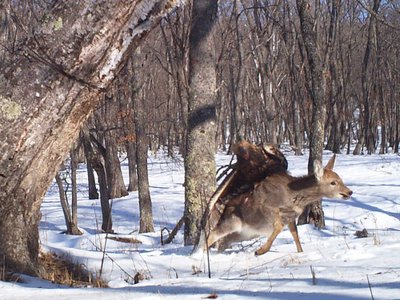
point(100, 83)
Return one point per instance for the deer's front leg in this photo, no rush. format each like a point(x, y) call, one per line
point(293, 230)
point(278, 226)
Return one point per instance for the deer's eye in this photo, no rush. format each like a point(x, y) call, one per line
point(333, 183)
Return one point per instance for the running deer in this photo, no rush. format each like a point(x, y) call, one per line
point(275, 202)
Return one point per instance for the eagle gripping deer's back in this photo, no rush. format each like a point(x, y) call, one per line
point(259, 197)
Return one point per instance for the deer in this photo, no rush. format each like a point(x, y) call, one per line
point(274, 202)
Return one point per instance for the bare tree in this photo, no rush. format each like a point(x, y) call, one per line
point(142, 146)
point(367, 135)
point(200, 146)
point(95, 154)
point(316, 90)
point(70, 211)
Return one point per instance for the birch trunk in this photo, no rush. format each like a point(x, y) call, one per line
point(46, 92)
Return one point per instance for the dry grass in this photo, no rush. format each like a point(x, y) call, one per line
point(9, 276)
point(124, 240)
point(62, 271)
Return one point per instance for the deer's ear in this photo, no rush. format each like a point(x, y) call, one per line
point(331, 163)
point(318, 170)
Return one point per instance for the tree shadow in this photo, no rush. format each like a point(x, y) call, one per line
point(357, 203)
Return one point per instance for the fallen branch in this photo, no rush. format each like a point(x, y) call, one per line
point(172, 234)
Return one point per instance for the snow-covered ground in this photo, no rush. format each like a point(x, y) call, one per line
point(334, 265)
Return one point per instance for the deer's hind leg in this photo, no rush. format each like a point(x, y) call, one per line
point(228, 225)
point(278, 226)
point(293, 230)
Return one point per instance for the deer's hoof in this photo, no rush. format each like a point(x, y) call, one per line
point(259, 252)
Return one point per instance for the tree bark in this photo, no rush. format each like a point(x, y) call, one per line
point(313, 214)
point(115, 180)
point(95, 158)
point(132, 166)
point(366, 135)
point(64, 202)
point(46, 93)
point(74, 194)
point(200, 167)
point(93, 194)
point(142, 142)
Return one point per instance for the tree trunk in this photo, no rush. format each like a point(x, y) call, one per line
point(72, 228)
point(74, 194)
point(47, 92)
point(133, 177)
point(366, 108)
point(94, 156)
point(142, 142)
point(93, 194)
point(200, 167)
point(126, 112)
point(64, 202)
point(115, 180)
point(317, 131)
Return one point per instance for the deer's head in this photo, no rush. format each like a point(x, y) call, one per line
point(330, 183)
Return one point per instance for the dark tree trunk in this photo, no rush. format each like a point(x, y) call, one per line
point(126, 103)
point(74, 194)
point(94, 157)
point(145, 206)
point(106, 224)
point(133, 177)
point(313, 214)
point(64, 203)
point(366, 135)
point(93, 194)
point(200, 167)
point(71, 229)
point(115, 180)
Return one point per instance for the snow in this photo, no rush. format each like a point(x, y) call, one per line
point(343, 265)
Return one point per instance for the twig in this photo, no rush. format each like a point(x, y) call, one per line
point(113, 260)
point(208, 259)
point(314, 279)
point(370, 288)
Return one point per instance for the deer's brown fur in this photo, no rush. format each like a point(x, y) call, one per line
point(254, 163)
point(275, 202)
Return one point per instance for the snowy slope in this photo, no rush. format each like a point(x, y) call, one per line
point(334, 265)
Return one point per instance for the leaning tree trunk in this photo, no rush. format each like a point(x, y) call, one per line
point(200, 147)
point(314, 213)
point(45, 95)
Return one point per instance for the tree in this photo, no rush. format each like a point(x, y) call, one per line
point(95, 153)
point(367, 136)
point(142, 146)
point(115, 179)
point(70, 211)
point(314, 213)
point(200, 167)
point(50, 83)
